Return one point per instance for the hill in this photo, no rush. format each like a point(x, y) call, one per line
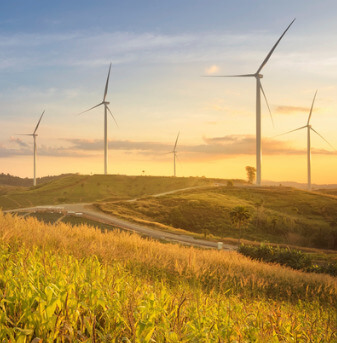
point(85, 188)
point(278, 214)
point(79, 284)
point(10, 180)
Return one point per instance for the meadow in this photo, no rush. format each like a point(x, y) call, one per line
point(277, 214)
point(85, 188)
point(65, 283)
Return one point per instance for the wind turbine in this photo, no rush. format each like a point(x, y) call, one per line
point(174, 152)
point(34, 134)
point(106, 110)
point(258, 76)
point(309, 128)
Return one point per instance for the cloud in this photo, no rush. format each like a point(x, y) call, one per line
point(212, 69)
point(17, 147)
point(291, 109)
point(97, 144)
point(28, 50)
point(233, 145)
point(213, 148)
point(19, 142)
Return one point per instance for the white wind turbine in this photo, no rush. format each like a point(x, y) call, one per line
point(174, 152)
point(309, 127)
point(259, 89)
point(106, 110)
point(34, 134)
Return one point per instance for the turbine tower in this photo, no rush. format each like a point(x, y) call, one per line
point(106, 110)
point(34, 134)
point(309, 128)
point(174, 152)
point(258, 76)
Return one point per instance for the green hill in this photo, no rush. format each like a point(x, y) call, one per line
point(10, 180)
point(85, 188)
point(278, 214)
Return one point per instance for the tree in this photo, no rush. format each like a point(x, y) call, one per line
point(251, 172)
point(230, 183)
point(333, 226)
point(259, 211)
point(240, 218)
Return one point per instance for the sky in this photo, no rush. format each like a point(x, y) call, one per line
point(55, 56)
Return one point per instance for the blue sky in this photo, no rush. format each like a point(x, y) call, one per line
point(55, 56)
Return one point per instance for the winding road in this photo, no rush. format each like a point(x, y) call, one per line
point(87, 210)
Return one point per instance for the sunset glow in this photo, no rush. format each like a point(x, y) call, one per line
point(159, 52)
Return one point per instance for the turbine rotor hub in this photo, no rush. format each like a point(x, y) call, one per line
point(106, 102)
point(260, 76)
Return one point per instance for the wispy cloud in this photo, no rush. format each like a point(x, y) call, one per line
point(22, 50)
point(19, 142)
point(97, 144)
point(291, 109)
point(212, 69)
point(213, 148)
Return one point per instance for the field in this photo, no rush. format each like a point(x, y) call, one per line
point(278, 214)
point(84, 188)
point(81, 284)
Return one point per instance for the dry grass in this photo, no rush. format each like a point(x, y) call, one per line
point(148, 258)
point(79, 284)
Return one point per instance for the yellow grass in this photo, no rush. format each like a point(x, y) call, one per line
point(210, 268)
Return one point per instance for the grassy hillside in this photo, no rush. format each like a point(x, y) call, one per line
point(79, 284)
point(10, 180)
point(84, 188)
point(278, 214)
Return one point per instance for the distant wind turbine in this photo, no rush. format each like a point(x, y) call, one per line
point(106, 110)
point(174, 152)
point(309, 127)
point(34, 134)
point(259, 89)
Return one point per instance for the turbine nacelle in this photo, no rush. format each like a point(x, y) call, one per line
point(258, 76)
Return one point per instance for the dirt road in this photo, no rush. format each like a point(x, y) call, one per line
point(89, 211)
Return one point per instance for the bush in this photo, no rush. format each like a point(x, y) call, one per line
point(285, 256)
point(295, 259)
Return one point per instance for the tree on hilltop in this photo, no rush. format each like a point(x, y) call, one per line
point(240, 218)
point(251, 173)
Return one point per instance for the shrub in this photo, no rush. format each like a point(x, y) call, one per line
point(285, 256)
point(295, 259)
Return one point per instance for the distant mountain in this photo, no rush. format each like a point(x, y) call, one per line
point(298, 185)
point(10, 180)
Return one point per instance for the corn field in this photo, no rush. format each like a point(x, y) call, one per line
point(77, 284)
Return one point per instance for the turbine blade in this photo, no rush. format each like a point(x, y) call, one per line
point(265, 98)
point(112, 115)
point(312, 106)
point(175, 145)
point(300, 128)
point(241, 75)
point(38, 122)
point(322, 138)
point(107, 84)
point(274, 47)
point(90, 108)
